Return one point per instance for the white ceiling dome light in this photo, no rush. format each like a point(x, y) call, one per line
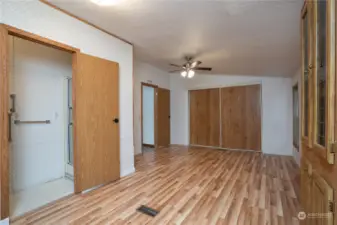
point(106, 2)
point(190, 73)
point(183, 73)
point(187, 73)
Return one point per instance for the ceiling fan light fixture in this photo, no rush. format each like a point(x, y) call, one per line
point(183, 73)
point(194, 64)
point(106, 2)
point(190, 73)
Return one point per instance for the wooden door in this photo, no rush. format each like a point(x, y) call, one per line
point(241, 117)
point(96, 113)
point(205, 117)
point(163, 124)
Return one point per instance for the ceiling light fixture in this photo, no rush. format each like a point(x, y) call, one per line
point(183, 73)
point(190, 74)
point(106, 2)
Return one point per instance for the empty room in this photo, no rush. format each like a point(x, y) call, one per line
point(168, 112)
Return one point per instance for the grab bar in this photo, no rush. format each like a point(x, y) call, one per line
point(32, 122)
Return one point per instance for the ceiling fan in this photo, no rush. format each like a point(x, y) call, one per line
point(188, 69)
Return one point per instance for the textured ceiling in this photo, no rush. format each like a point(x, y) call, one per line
point(241, 37)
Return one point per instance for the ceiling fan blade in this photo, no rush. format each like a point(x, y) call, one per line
point(195, 64)
point(174, 71)
point(203, 68)
point(175, 65)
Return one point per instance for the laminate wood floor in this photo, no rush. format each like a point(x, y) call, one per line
point(188, 186)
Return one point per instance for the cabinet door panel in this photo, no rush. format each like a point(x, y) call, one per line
point(322, 196)
point(321, 73)
point(308, 52)
point(306, 71)
point(305, 186)
point(323, 79)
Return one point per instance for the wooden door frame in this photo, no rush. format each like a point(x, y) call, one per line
point(5, 32)
point(155, 87)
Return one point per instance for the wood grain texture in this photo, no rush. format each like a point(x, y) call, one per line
point(4, 145)
point(38, 39)
point(321, 183)
point(188, 186)
point(321, 194)
point(97, 141)
point(205, 117)
point(163, 121)
point(241, 117)
point(324, 151)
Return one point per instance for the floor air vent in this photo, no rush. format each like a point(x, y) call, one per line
point(147, 210)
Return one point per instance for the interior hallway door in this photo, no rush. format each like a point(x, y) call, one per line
point(163, 117)
point(96, 122)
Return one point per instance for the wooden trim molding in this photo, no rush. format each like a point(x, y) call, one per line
point(155, 110)
point(5, 31)
point(84, 21)
point(149, 85)
point(4, 143)
point(38, 39)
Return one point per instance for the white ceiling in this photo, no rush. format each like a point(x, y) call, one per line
point(245, 37)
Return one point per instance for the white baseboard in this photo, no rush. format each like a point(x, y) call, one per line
point(126, 172)
point(4, 222)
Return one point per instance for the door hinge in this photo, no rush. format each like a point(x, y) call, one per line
point(331, 206)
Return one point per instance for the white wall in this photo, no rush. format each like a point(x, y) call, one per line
point(43, 20)
point(297, 80)
point(276, 108)
point(148, 115)
point(39, 81)
point(146, 73)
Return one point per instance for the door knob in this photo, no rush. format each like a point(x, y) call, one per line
point(116, 120)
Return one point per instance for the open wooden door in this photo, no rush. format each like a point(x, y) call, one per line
point(163, 117)
point(96, 125)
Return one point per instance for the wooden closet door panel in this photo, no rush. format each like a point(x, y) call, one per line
point(253, 117)
point(233, 116)
point(96, 89)
point(205, 117)
point(163, 117)
point(241, 117)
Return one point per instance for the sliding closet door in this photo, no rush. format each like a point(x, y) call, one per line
point(241, 117)
point(96, 114)
point(205, 117)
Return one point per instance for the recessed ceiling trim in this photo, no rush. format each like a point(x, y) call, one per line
point(84, 21)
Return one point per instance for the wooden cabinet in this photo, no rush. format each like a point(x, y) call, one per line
point(306, 173)
point(321, 201)
point(318, 168)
